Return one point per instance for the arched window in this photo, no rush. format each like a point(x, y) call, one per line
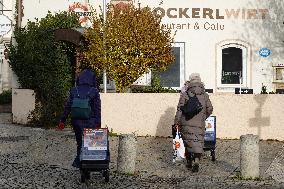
point(233, 67)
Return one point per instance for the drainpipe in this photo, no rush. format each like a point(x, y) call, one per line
point(104, 72)
point(19, 18)
point(14, 77)
point(13, 41)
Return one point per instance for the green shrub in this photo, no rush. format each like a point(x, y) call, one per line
point(44, 65)
point(155, 87)
point(6, 97)
point(263, 90)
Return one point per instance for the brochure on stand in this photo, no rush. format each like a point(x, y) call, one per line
point(95, 139)
point(210, 129)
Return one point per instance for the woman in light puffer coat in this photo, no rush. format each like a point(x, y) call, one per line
point(193, 130)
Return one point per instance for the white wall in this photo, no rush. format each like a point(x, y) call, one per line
point(23, 103)
point(153, 114)
point(7, 5)
point(39, 9)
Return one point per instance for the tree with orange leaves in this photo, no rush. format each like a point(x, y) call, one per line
point(128, 44)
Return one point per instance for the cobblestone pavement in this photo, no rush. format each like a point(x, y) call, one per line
point(37, 158)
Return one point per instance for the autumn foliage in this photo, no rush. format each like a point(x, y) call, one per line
point(128, 44)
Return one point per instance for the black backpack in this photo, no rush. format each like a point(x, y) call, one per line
point(81, 107)
point(191, 107)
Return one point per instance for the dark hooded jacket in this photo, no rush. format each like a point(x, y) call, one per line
point(85, 84)
point(193, 130)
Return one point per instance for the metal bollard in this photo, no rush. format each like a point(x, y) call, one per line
point(126, 154)
point(249, 160)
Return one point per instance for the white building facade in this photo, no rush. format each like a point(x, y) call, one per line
point(6, 28)
point(230, 43)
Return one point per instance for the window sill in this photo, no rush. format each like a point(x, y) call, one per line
point(229, 88)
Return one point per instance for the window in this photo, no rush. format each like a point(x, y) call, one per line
point(232, 65)
point(174, 75)
point(110, 84)
point(279, 74)
point(233, 68)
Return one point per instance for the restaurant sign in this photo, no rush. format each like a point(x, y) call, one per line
point(83, 12)
point(206, 18)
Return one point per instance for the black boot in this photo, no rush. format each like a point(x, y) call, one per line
point(76, 162)
point(189, 160)
point(195, 167)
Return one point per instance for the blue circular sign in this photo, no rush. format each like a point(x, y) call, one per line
point(264, 52)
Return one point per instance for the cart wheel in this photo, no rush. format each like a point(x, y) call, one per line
point(106, 175)
point(83, 176)
point(213, 155)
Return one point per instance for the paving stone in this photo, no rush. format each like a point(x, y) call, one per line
point(38, 158)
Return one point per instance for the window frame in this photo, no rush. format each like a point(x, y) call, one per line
point(182, 65)
point(246, 69)
point(110, 85)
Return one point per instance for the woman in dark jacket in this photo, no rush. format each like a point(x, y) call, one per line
point(193, 130)
point(86, 85)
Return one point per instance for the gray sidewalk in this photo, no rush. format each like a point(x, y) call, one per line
point(37, 158)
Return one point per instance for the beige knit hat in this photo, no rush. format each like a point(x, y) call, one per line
point(194, 77)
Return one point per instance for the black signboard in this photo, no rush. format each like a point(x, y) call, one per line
point(244, 91)
point(209, 90)
point(279, 91)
